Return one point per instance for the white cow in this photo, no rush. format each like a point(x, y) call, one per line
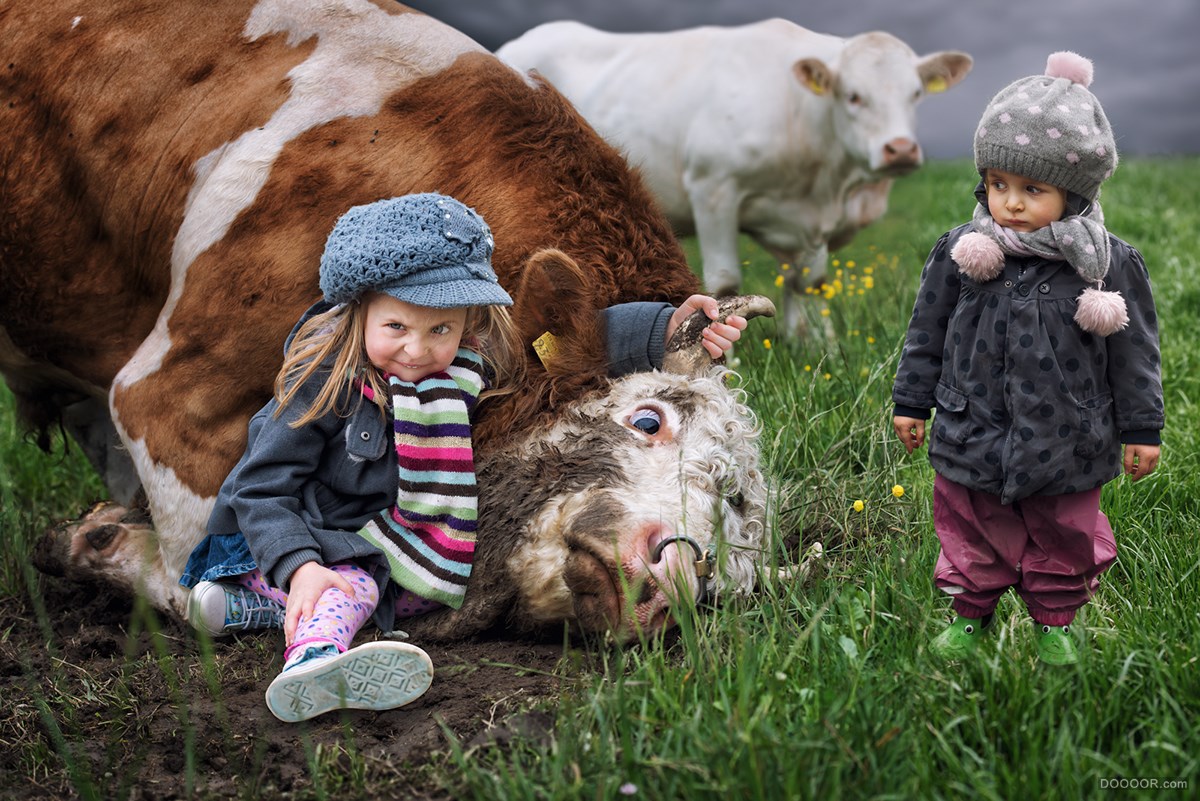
point(786, 134)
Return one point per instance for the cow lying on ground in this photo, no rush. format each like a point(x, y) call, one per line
point(168, 176)
point(788, 135)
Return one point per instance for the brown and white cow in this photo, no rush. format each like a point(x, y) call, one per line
point(788, 135)
point(168, 174)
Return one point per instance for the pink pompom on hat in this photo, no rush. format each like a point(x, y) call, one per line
point(1052, 129)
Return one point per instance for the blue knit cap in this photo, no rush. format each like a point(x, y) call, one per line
point(428, 250)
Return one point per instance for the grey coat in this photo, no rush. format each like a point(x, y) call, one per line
point(1028, 403)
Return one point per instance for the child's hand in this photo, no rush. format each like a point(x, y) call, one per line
point(1140, 460)
point(309, 583)
point(910, 430)
point(718, 337)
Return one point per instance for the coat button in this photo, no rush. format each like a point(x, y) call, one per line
point(1044, 289)
point(1008, 284)
point(366, 436)
point(1023, 289)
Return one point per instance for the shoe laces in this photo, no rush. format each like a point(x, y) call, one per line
point(249, 610)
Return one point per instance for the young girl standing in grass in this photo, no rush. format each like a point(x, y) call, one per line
point(1035, 336)
point(373, 412)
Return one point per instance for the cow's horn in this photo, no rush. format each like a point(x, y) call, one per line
point(686, 355)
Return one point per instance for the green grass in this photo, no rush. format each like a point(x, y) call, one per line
point(825, 689)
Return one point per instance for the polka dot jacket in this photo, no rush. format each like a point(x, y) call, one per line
point(1027, 402)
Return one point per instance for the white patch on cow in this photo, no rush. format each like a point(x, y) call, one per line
point(363, 55)
point(539, 564)
point(177, 508)
point(75, 22)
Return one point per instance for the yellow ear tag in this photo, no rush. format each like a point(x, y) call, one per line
point(546, 347)
point(816, 88)
point(935, 85)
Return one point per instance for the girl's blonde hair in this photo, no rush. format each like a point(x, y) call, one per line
point(334, 340)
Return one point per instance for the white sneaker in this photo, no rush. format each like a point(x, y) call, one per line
point(376, 675)
point(221, 608)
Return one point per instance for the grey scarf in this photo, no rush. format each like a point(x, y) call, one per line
point(1081, 240)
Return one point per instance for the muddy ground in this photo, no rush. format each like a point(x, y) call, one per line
point(137, 706)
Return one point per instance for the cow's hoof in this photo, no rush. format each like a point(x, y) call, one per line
point(96, 533)
point(50, 553)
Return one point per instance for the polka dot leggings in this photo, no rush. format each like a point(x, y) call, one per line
point(336, 618)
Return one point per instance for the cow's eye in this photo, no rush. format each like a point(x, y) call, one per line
point(737, 500)
point(646, 420)
point(855, 99)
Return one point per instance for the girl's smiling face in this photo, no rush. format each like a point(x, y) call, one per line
point(1023, 204)
point(411, 342)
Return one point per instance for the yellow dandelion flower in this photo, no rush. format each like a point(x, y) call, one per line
point(785, 266)
point(808, 368)
point(779, 280)
point(870, 340)
point(824, 312)
point(850, 264)
point(859, 506)
point(805, 271)
point(898, 491)
point(837, 263)
point(869, 282)
point(854, 332)
point(767, 344)
point(828, 376)
point(838, 274)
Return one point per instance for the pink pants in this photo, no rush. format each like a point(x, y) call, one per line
point(1050, 548)
point(337, 617)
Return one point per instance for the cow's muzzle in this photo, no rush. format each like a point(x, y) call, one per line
point(703, 564)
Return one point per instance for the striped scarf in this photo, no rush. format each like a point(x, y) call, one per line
point(429, 535)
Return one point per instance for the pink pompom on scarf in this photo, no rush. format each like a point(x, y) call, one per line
point(978, 256)
point(1101, 312)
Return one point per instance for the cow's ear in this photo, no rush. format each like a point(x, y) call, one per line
point(940, 71)
point(814, 75)
point(552, 296)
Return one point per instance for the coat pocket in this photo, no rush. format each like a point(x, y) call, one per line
point(952, 422)
point(1096, 429)
point(366, 436)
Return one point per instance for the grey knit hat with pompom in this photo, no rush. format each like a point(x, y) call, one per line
point(427, 249)
point(1050, 128)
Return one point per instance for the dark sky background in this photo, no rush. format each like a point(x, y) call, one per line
point(1147, 71)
